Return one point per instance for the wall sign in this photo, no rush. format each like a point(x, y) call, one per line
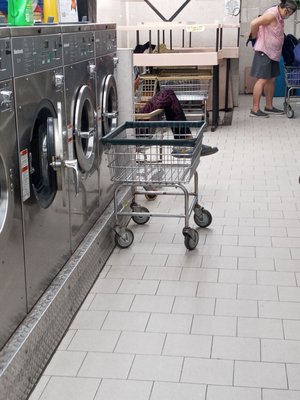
point(67, 11)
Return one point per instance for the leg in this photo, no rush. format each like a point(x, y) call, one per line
point(168, 101)
point(257, 93)
point(269, 92)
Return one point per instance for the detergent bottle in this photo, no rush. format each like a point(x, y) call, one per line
point(50, 10)
point(20, 12)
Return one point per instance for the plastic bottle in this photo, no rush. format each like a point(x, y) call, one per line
point(37, 14)
point(50, 10)
point(20, 12)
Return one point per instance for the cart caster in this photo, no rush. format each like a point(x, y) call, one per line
point(191, 238)
point(139, 219)
point(202, 217)
point(150, 197)
point(124, 237)
point(290, 112)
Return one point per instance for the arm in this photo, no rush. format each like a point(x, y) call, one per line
point(265, 19)
point(136, 83)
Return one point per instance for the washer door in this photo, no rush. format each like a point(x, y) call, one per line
point(42, 153)
point(109, 105)
point(85, 129)
point(3, 194)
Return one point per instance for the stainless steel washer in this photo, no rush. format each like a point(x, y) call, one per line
point(107, 100)
point(79, 72)
point(39, 96)
point(12, 274)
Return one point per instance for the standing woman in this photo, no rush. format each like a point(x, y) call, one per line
point(268, 30)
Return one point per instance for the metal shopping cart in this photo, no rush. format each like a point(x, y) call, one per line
point(191, 90)
point(292, 86)
point(139, 159)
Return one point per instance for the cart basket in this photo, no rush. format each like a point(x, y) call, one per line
point(292, 76)
point(154, 152)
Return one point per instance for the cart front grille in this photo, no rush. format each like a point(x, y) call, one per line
point(147, 152)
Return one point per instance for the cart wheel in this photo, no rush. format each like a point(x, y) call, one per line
point(204, 219)
point(133, 205)
point(285, 106)
point(140, 219)
point(150, 197)
point(125, 239)
point(290, 112)
point(191, 238)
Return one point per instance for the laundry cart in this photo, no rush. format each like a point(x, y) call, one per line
point(292, 89)
point(140, 159)
point(191, 90)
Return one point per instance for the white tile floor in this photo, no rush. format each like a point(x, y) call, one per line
point(221, 322)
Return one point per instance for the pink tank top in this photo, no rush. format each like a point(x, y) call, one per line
point(270, 38)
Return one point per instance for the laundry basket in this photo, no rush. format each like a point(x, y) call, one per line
point(191, 91)
point(147, 88)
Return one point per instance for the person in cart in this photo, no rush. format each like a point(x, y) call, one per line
point(267, 32)
point(168, 101)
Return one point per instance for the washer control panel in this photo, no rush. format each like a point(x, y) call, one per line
point(5, 59)
point(77, 47)
point(105, 42)
point(36, 53)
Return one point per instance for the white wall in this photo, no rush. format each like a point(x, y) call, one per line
point(111, 11)
point(137, 11)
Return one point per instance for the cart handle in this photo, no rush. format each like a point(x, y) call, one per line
point(112, 137)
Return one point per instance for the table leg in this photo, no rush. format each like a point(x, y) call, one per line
point(215, 99)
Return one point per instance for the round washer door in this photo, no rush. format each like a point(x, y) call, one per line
point(42, 153)
point(84, 129)
point(109, 105)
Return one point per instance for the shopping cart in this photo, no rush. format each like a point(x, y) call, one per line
point(139, 159)
point(191, 90)
point(292, 86)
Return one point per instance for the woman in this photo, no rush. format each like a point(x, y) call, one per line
point(268, 30)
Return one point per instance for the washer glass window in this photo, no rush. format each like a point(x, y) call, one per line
point(42, 153)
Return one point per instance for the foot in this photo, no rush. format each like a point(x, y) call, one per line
point(258, 114)
point(274, 111)
point(208, 150)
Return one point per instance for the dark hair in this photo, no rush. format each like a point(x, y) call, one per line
point(288, 4)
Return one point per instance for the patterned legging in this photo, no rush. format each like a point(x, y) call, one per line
point(168, 101)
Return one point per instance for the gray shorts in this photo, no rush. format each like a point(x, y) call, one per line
point(263, 67)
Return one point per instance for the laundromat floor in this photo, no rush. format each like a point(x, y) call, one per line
point(221, 322)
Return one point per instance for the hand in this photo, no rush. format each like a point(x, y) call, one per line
point(136, 83)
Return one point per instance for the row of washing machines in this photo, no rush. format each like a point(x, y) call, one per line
point(58, 97)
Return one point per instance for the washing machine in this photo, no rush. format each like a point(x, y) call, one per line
point(107, 100)
point(12, 273)
point(39, 98)
point(81, 118)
